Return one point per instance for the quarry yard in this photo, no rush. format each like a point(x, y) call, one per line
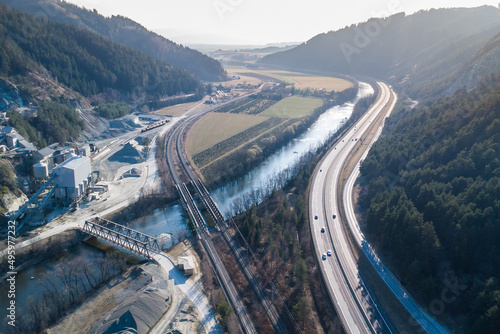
point(148, 298)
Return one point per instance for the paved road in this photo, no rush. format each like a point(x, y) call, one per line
point(357, 311)
point(429, 324)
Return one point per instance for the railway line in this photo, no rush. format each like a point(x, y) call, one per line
point(182, 174)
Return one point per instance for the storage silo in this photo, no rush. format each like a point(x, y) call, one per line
point(40, 170)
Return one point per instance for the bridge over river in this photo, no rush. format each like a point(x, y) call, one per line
point(122, 236)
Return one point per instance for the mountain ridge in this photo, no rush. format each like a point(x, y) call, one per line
point(125, 31)
point(83, 61)
point(408, 51)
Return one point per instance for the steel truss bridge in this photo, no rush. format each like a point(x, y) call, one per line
point(119, 235)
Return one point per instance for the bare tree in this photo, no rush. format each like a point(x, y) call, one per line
point(87, 271)
point(35, 312)
point(53, 293)
point(232, 324)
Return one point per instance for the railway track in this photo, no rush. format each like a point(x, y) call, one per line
point(187, 174)
point(199, 223)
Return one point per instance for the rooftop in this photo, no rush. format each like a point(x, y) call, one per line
point(7, 129)
point(46, 151)
point(73, 163)
point(27, 144)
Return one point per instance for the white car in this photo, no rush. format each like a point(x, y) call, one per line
point(324, 256)
point(329, 253)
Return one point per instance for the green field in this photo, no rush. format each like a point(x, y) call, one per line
point(216, 127)
point(293, 107)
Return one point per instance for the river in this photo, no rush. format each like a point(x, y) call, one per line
point(261, 176)
point(29, 280)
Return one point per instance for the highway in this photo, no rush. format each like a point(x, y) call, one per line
point(355, 306)
point(429, 324)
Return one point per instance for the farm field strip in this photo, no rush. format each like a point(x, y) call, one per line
point(178, 109)
point(214, 128)
point(254, 140)
point(252, 106)
point(300, 80)
point(231, 144)
point(293, 107)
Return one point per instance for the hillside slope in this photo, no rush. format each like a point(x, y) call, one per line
point(411, 52)
point(125, 31)
point(483, 63)
point(86, 62)
point(432, 190)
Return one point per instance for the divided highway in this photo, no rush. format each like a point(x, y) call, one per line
point(357, 311)
point(429, 324)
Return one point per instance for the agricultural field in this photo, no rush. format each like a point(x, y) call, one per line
point(293, 107)
point(251, 106)
point(217, 127)
point(243, 79)
point(231, 144)
point(299, 80)
point(178, 109)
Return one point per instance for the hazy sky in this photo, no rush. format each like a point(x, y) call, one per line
point(257, 21)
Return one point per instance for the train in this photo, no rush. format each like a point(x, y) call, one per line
point(155, 125)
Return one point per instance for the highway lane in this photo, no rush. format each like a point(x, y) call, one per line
point(358, 312)
point(429, 324)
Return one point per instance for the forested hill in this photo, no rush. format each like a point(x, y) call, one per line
point(82, 60)
point(411, 52)
point(433, 199)
point(128, 32)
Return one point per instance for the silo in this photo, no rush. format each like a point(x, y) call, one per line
point(40, 170)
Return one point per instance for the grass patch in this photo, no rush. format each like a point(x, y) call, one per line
point(214, 128)
point(293, 107)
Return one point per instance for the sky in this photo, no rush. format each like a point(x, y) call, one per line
point(257, 22)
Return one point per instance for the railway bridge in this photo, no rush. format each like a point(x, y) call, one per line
point(122, 236)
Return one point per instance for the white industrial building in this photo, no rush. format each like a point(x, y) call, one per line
point(72, 178)
point(185, 263)
point(131, 118)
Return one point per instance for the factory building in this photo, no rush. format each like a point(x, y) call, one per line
point(72, 178)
